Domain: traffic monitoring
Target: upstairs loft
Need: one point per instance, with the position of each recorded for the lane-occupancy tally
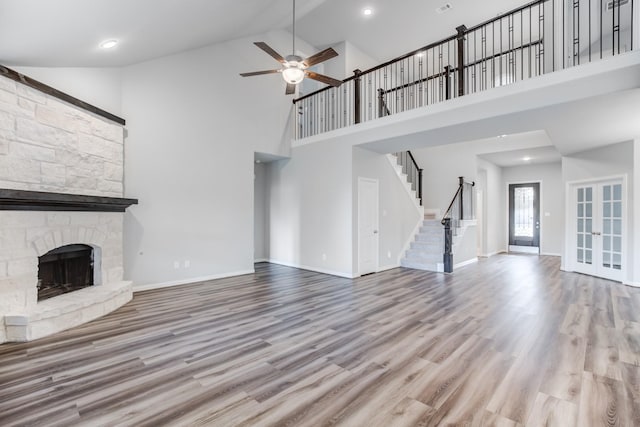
(534, 40)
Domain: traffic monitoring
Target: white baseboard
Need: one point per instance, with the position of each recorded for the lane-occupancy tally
(489, 255)
(189, 281)
(632, 284)
(550, 254)
(317, 270)
(388, 267)
(532, 250)
(467, 262)
(260, 260)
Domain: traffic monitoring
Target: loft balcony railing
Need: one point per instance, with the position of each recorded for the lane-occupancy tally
(535, 39)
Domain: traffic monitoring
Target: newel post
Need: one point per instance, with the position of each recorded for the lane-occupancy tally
(462, 29)
(447, 258)
(356, 96)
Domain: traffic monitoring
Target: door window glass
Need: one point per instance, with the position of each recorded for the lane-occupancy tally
(584, 225)
(523, 211)
(612, 226)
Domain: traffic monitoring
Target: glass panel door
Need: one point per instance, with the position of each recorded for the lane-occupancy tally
(598, 233)
(612, 226)
(584, 227)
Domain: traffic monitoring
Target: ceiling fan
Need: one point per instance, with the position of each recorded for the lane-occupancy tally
(294, 68)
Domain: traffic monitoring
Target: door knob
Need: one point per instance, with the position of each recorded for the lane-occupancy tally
(596, 233)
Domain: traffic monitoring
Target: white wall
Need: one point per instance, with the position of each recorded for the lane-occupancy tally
(310, 209)
(605, 162)
(494, 200)
(101, 87)
(260, 229)
(193, 126)
(552, 201)
(398, 215)
(349, 58)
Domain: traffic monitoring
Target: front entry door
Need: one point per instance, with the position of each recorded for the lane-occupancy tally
(367, 225)
(598, 230)
(524, 216)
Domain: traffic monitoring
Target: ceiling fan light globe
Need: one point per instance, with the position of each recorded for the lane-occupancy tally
(293, 75)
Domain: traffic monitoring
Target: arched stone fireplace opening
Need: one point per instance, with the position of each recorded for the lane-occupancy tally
(67, 269)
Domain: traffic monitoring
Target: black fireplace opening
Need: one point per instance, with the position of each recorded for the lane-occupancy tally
(64, 269)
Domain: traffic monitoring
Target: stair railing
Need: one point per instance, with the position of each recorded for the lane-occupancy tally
(461, 208)
(412, 170)
(537, 38)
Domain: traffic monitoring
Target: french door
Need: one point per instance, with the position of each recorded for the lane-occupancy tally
(599, 226)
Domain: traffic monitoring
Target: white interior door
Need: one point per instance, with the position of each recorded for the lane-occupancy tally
(599, 245)
(367, 226)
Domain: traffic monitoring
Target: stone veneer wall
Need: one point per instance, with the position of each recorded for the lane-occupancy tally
(48, 145)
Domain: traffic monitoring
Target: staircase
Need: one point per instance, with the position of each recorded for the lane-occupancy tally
(425, 252)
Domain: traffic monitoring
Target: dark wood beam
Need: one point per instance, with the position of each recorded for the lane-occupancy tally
(21, 200)
(28, 81)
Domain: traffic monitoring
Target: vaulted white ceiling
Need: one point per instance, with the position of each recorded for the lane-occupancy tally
(68, 32)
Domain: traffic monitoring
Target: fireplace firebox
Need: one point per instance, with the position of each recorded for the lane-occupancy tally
(65, 269)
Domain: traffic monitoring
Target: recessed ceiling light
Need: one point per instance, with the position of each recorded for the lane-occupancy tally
(367, 11)
(526, 158)
(109, 44)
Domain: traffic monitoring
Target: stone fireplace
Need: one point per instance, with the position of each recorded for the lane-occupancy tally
(61, 210)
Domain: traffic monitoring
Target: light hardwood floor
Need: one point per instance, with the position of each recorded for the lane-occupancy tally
(510, 341)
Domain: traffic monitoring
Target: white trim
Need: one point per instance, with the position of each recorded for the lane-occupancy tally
(533, 250)
(632, 284)
(549, 254)
(260, 260)
(315, 269)
(490, 254)
(377, 222)
(388, 267)
(189, 281)
(467, 262)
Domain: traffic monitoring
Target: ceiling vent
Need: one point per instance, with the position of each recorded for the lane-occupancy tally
(618, 3)
(447, 7)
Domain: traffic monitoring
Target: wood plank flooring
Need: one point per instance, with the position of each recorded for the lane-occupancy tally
(510, 341)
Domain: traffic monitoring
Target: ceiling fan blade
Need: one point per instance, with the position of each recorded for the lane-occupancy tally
(320, 57)
(291, 89)
(257, 73)
(273, 53)
(324, 79)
